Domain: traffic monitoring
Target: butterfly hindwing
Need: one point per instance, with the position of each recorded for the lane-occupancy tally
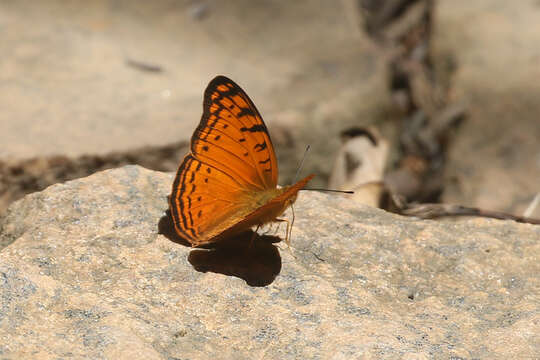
(202, 199)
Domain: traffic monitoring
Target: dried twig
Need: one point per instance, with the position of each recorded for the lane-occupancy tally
(433, 211)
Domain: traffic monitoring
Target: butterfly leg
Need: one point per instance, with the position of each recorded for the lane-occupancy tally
(287, 231)
(269, 231)
(253, 236)
(288, 234)
(289, 228)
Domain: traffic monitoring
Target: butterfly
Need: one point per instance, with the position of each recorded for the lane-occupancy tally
(227, 184)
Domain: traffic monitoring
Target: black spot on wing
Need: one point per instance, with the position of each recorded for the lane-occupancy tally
(260, 147)
(246, 112)
(231, 90)
(254, 128)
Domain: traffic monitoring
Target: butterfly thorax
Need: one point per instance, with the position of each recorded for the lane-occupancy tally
(270, 204)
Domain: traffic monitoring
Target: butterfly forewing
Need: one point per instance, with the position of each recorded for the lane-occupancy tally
(233, 137)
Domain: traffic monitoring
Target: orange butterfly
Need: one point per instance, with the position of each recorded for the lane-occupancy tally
(228, 183)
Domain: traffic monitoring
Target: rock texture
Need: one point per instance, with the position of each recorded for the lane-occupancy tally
(84, 273)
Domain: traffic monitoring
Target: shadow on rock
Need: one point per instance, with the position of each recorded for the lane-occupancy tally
(258, 263)
(249, 256)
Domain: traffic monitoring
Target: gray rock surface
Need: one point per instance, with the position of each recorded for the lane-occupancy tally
(85, 274)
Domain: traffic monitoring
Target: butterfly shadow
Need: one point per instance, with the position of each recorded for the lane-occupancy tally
(248, 256)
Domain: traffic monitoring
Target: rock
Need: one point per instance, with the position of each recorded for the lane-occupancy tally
(101, 77)
(85, 274)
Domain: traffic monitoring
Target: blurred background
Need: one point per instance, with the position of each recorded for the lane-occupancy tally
(435, 101)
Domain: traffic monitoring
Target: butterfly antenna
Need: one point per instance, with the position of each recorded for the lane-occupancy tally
(301, 164)
(317, 189)
(330, 190)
